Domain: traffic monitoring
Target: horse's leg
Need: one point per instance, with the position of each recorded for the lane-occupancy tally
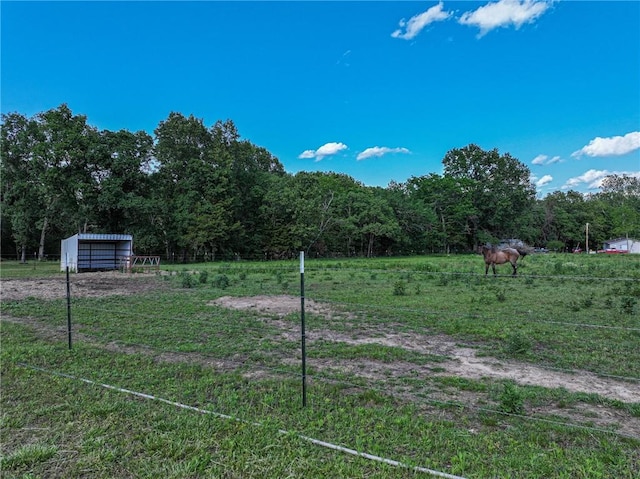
(493, 266)
(514, 265)
(486, 270)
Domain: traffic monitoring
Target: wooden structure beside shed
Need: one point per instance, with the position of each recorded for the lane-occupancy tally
(95, 252)
(131, 264)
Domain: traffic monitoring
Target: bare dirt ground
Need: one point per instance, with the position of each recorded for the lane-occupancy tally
(89, 285)
(461, 361)
(464, 362)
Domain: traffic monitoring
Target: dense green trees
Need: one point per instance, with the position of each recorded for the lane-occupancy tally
(499, 190)
(192, 191)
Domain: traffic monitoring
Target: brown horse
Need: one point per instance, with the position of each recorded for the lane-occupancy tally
(494, 256)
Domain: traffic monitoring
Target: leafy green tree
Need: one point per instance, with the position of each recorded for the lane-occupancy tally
(194, 190)
(565, 218)
(416, 221)
(251, 166)
(192, 186)
(378, 223)
(450, 199)
(57, 174)
(125, 189)
(276, 217)
(68, 153)
(22, 195)
(620, 198)
(500, 189)
(313, 209)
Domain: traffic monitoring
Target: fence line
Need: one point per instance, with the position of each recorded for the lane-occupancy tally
(416, 311)
(317, 442)
(321, 377)
(547, 367)
(293, 376)
(395, 309)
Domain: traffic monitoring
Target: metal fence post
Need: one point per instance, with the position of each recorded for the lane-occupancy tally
(304, 352)
(68, 307)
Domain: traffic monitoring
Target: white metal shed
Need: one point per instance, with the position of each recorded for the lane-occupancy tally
(88, 251)
(629, 245)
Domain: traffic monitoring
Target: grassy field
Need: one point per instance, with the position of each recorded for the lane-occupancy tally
(169, 383)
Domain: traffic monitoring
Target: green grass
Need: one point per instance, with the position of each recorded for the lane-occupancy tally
(374, 397)
(30, 269)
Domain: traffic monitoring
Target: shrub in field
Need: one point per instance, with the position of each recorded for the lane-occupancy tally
(187, 280)
(427, 267)
(204, 275)
(627, 303)
(511, 400)
(399, 288)
(574, 306)
(633, 289)
(518, 344)
(501, 295)
(221, 281)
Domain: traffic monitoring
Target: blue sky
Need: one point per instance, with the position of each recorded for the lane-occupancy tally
(380, 91)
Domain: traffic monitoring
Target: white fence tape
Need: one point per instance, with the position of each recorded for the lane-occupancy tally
(224, 416)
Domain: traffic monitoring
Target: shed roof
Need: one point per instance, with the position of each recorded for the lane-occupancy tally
(615, 240)
(102, 237)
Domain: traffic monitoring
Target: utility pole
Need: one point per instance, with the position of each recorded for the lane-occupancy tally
(587, 238)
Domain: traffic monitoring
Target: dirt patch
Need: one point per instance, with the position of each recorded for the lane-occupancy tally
(460, 361)
(277, 305)
(463, 361)
(94, 285)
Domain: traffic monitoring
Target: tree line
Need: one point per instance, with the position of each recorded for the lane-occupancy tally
(192, 192)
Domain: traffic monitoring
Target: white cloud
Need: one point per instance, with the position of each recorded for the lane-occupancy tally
(379, 151)
(418, 22)
(307, 154)
(344, 59)
(325, 150)
(539, 160)
(613, 146)
(593, 178)
(544, 180)
(504, 13)
(545, 160)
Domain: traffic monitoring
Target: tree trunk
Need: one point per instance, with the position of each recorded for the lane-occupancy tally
(23, 254)
(444, 234)
(43, 233)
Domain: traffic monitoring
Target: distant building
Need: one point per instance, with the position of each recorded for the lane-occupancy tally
(95, 252)
(512, 243)
(621, 245)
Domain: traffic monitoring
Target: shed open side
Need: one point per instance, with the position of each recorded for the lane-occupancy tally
(95, 252)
